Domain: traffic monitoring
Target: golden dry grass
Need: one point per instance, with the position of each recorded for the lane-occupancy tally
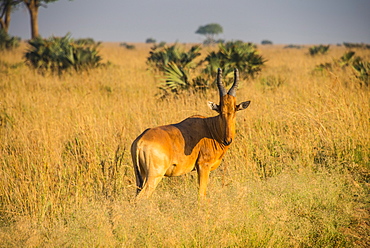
(297, 174)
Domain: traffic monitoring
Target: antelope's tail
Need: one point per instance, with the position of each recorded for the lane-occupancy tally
(135, 162)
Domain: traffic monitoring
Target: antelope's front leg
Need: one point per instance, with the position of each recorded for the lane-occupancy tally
(203, 177)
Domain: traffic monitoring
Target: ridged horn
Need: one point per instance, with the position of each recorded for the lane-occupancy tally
(232, 91)
(220, 86)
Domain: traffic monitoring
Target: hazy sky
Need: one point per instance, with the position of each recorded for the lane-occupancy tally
(280, 21)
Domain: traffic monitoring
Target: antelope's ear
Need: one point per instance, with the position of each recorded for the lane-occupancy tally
(214, 106)
(242, 105)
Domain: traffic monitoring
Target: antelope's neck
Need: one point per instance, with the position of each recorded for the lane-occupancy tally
(215, 130)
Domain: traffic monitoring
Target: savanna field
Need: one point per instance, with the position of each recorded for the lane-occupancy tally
(296, 175)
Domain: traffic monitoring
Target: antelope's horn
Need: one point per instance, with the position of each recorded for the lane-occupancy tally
(232, 91)
(220, 86)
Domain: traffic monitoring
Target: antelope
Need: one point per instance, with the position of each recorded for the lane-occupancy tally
(196, 143)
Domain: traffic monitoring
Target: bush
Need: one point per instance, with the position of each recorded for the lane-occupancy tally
(175, 79)
(176, 66)
(321, 49)
(362, 70)
(234, 54)
(8, 42)
(266, 42)
(150, 40)
(293, 46)
(127, 46)
(210, 41)
(348, 58)
(161, 56)
(356, 45)
(58, 54)
(86, 41)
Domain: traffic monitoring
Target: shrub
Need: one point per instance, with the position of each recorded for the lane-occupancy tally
(293, 46)
(210, 41)
(362, 70)
(266, 42)
(177, 80)
(58, 54)
(174, 65)
(161, 56)
(177, 66)
(127, 46)
(235, 54)
(321, 49)
(86, 41)
(150, 40)
(348, 58)
(8, 42)
(360, 67)
(356, 45)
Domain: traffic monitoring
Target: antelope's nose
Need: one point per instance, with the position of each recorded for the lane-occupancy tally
(227, 142)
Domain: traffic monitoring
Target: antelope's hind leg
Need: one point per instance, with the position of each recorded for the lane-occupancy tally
(153, 163)
(150, 184)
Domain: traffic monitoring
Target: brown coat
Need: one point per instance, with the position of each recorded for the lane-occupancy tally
(196, 143)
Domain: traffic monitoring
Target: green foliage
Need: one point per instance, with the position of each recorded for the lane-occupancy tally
(266, 42)
(177, 80)
(86, 41)
(150, 40)
(58, 54)
(293, 46)
(356, 45)
(211, 41)
(156, 46)
(127, 46)
(8, 42)
(161, 56)
(345, 60)
(348, 58)
(210, 29)
(321, 49)
(160, 44)
(175, 66)
(234, 54)
(362, 70)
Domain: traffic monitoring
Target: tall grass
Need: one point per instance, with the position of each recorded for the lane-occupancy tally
(297, 174)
